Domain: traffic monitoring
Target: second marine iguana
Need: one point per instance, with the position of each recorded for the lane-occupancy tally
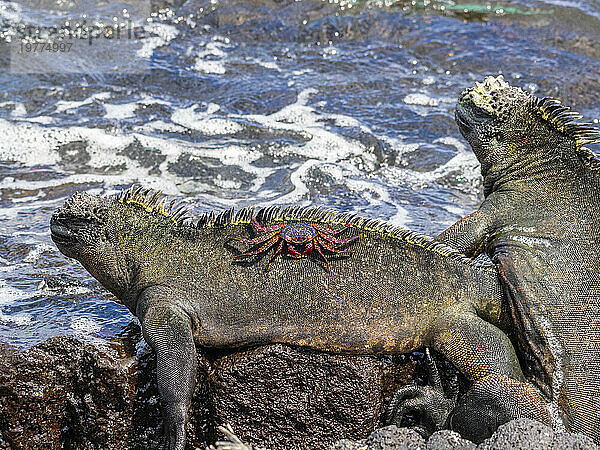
(397, 292)
(540, 224)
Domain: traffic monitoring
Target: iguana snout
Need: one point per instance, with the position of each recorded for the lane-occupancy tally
(82, 229)
(79, 222)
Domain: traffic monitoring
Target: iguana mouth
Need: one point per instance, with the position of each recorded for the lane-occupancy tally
(61, 234)
(461, 120)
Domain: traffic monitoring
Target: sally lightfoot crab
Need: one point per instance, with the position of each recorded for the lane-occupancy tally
(298, 239)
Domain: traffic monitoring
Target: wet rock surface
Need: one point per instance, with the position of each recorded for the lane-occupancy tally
(307, 397)
(526, 433)
(66, 394)
(517, 434)
(63, 393)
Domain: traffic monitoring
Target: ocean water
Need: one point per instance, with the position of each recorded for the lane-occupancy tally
(230, 103)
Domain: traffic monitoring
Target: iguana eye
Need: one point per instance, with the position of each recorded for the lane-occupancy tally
(499, 136)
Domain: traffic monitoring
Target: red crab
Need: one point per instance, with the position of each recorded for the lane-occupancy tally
(295, 236)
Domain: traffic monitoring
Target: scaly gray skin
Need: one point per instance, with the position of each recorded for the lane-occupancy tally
(396, 293)
(540, 224)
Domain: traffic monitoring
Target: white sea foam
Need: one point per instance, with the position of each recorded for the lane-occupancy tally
(345, 121)
(216, 67)
(422, 102)
(28, 144)
(463, 165)
(203, 122)
(374, 191)
(211, 56)
(420, 99)
(35, 253)
(65, 290)
(85, 325)
(398, 146)
(297, 180)
(266, 64)
(456, 210)
(213, 48)
(323, 144)
(41, 143)
(159, 125)
(70, 106)
(10, 11)
(10, 295)
(164, 34)
(44, 120)
(464, 162)
(450, 140)
(323, 147)
(428, 80)
(120, 111)
(147, 99)
(20, 320)
(320, 146)
(19, 111)
(31, 145)
(226, 184)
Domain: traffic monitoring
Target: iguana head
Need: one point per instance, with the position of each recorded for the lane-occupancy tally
(508, 127)
(124, 241)
(81, 230)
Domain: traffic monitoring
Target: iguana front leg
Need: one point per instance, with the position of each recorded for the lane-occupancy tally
(168, 330)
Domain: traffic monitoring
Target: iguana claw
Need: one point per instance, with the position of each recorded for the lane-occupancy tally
(429, 404)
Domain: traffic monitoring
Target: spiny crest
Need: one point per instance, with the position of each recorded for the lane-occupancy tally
(322, 215)
(563, 119)
(154, 201)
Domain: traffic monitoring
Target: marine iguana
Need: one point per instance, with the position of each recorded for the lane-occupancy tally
(540, 224)
(398, 291)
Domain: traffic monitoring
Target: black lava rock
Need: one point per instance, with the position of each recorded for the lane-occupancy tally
(66, 394)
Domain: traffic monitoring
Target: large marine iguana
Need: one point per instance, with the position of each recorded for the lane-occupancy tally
(540, 224)
(397, 292)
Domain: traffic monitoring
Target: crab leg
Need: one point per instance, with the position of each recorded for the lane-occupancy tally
(330, 248)
(256, 240)
(293, 251)
(258, 227)
(309, 248)
(326, 230)
(270, 243)
(277, 252)
(334, 240)
(318, 247)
